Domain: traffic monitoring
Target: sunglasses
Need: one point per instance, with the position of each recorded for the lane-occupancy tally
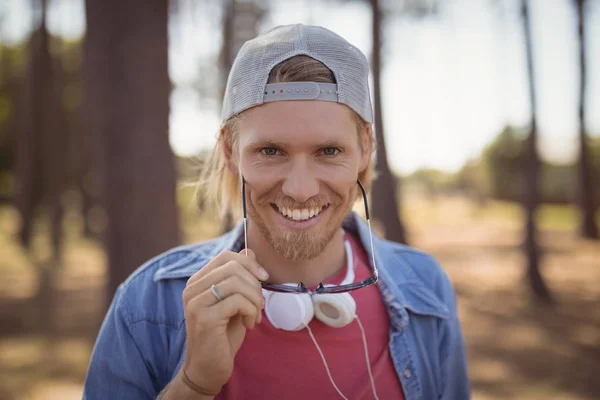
(320, 289)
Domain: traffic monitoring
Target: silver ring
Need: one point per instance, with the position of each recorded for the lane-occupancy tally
(214, 291)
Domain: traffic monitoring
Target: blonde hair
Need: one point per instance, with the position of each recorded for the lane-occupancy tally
(217, 186)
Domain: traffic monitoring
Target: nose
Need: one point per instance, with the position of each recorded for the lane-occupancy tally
(299, 183)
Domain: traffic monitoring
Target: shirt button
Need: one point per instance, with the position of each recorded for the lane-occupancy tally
(407, 373)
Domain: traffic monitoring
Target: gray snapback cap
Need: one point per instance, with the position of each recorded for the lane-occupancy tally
(247, 82)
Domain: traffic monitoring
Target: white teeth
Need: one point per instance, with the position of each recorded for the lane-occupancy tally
(301, 215)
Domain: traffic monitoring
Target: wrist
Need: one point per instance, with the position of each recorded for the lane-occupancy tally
(180, 390)
(196, 388)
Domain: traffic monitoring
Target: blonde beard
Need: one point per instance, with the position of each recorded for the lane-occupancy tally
(298, 246)
(304, 245)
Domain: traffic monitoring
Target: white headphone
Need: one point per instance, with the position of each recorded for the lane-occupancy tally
(294, 311)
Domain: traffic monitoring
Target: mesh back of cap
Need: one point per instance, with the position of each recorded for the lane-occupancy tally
(257, 57)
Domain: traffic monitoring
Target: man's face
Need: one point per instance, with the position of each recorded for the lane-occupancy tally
(300, 160)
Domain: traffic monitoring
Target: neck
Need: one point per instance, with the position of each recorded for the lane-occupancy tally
(310, 272)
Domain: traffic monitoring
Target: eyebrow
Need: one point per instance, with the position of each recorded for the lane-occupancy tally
(266, 143)
(274, 143)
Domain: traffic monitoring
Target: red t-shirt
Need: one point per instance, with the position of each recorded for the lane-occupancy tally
(278, 364)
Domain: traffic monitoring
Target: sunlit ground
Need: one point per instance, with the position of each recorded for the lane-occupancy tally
(516, 349)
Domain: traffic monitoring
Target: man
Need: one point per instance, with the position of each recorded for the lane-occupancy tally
(300, 299)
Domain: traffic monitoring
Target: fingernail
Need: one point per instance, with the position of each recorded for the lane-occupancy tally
(263, 274)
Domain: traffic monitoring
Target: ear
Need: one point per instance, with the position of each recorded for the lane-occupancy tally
(230, 159)
(366, 137)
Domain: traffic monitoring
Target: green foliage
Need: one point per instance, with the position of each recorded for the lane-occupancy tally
(594, 146)
(13, 72)
(431, 180)
(499, 173)
(12, 60)
(474, 179)
(504, 163)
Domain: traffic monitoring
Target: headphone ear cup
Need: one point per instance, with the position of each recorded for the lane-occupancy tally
(335, 310)
(289, 311)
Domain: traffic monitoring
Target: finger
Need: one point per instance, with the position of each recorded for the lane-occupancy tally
(237, 304)
(248, 260)
(221, 258)
(248, 252)
(207, 318)
(225, 256)
(235, 284)
(198, 312)
(232, 286)
(249, 322)
(217, 276)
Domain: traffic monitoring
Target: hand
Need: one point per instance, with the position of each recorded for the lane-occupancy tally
(216, 329)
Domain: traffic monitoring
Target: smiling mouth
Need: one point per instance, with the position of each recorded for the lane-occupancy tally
(300, 214)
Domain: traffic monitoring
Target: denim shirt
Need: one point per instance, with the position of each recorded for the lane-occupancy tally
(141, 344)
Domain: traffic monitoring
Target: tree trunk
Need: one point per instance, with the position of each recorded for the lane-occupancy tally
(44, 105)
(587, 201)
(28, 159)
(55, 149)
(531, 190)
(97, 93)
(386, 210)
(241, 20)
(139, 170)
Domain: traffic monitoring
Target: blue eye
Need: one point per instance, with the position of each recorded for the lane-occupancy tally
(269, 151)
(331, 151)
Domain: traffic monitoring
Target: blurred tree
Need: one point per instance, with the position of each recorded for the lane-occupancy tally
(386, 208)
(473, 180)
(28, 163)
(505, 162)
(594, 144)
(386, 188)
(532, 168)
(40, 165)
(69, 78)
(241, 20)
(55, 149)
(129, 102)
(96, 94)
(432, 182)
(40, 161)
(587, 201)
(12, 63)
